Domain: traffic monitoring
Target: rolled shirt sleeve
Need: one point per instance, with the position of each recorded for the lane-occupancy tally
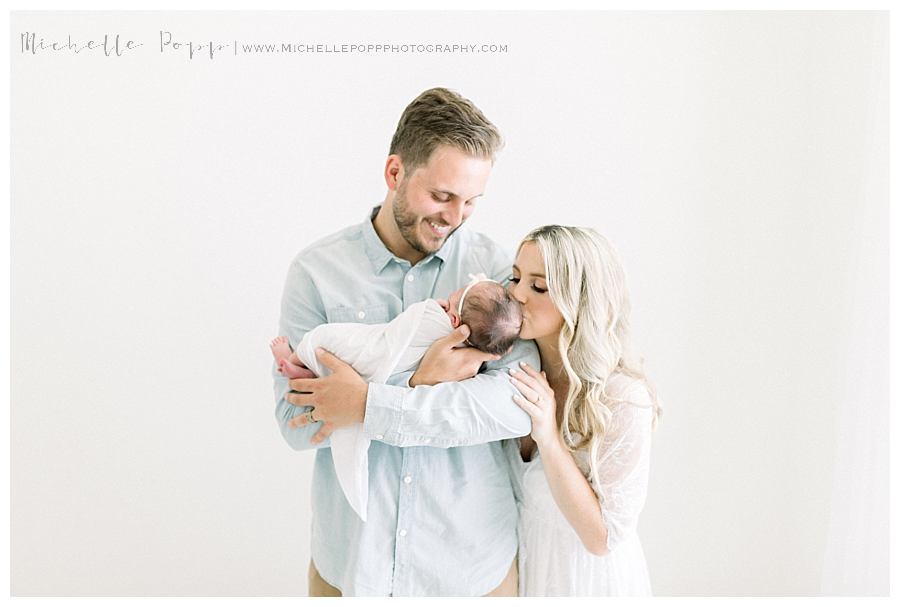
(452, 414)
(301, 311)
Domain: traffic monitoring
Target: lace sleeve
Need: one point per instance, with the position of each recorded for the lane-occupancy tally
(623, 465)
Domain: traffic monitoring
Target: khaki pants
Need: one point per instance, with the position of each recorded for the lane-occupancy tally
(508, 587)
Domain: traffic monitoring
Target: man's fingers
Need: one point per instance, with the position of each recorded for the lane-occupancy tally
(299, 400)
(483, 357)
(329, 360)
(323, 433)
(456, 337)
(300, 420)
(303, 384)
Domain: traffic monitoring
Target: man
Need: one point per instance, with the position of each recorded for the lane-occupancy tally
(441, 512)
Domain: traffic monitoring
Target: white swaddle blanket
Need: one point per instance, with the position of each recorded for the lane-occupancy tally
(375, 352)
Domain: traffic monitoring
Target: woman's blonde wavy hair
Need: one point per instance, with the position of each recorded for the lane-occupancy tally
(586, 282)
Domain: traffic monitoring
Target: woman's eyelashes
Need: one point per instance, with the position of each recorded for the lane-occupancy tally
(534, 287)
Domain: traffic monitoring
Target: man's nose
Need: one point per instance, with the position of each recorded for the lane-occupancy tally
(453, 213)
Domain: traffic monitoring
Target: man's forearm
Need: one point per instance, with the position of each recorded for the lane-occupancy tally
(451, 414)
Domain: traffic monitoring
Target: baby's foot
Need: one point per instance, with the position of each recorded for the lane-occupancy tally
(280, 347)
(289, 369)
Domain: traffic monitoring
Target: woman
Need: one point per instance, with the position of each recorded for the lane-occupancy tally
(582, 473)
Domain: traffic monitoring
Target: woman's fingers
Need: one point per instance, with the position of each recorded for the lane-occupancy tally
(534, 378)
(525, 379)
(538, 387)
(527, 391)
(526, 405)
(531, 370)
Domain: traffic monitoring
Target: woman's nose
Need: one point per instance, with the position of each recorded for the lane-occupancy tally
(514, 291)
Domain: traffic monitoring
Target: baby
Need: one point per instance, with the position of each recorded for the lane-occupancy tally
(493, 317)
(378, 351)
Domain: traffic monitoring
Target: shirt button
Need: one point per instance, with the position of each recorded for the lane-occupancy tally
(360, 315)
(407, 479)
(379, 436)
(410, 278)
(403, 533)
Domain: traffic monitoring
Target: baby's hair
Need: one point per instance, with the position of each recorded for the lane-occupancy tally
(494, 318)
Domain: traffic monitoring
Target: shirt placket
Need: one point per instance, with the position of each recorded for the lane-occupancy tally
(406, 531)
(418, 282)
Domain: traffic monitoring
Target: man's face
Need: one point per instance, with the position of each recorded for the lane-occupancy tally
(433, 201)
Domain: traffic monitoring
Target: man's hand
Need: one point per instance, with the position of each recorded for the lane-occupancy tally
(338, 399)
(448, 360)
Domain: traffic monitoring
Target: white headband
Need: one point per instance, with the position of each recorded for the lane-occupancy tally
(474, 279)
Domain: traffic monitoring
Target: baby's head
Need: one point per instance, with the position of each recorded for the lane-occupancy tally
(494, 318)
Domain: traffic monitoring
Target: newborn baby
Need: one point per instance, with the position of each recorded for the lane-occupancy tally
(493, 318)
(378, 351)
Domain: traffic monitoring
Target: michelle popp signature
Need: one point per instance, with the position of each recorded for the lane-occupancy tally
(115, 45)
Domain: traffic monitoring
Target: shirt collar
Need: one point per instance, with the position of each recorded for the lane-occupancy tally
(379, 254)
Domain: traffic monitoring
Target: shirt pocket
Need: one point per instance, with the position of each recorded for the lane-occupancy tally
(369, 315)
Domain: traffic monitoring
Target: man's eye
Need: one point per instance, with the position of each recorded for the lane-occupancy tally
(441, 197)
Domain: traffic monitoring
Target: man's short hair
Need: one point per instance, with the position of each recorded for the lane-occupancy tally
(438, 117)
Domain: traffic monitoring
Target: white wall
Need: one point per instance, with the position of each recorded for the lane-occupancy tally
(738, 160)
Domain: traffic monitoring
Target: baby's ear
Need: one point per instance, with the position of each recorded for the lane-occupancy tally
(454, 320)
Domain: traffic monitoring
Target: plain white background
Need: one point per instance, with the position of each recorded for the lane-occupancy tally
(738, 161)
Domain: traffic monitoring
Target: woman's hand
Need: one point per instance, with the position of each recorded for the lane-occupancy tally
(538, 401)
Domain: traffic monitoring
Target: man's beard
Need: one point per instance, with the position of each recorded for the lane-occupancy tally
(408, 224)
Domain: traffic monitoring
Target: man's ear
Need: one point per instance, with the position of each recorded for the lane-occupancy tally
(393, 172)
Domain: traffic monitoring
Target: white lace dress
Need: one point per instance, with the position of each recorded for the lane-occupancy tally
(552, 559)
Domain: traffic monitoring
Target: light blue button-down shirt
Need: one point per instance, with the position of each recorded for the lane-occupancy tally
(441, 514)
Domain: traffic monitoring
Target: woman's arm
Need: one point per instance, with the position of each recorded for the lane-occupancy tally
(571, 491)
(606, 513)
(574, 496)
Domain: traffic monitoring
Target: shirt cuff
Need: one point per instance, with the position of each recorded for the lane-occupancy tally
(384, 411)
(402, 379)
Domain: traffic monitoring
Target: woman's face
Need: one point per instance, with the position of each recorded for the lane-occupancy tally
(528, 286)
